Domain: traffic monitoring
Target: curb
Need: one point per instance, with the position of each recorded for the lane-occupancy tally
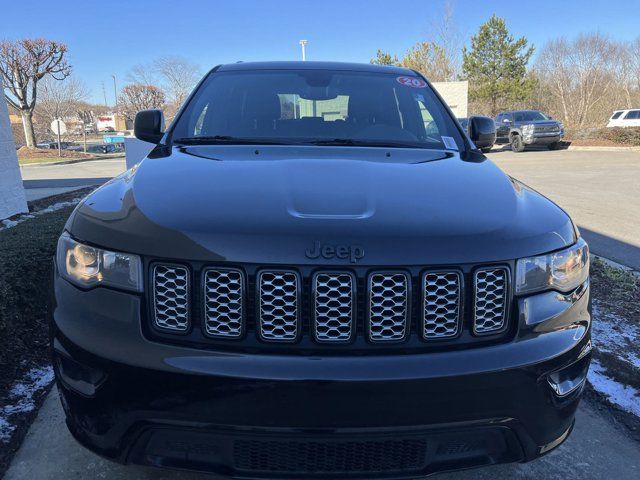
(602, 148)
(75, 160)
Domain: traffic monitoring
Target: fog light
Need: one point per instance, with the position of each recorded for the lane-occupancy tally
(570, 378)
(79, 377)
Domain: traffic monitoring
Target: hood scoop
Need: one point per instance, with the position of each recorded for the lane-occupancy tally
(327, 189)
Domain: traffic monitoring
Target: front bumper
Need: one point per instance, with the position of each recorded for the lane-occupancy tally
(542, 138)
(248, 415)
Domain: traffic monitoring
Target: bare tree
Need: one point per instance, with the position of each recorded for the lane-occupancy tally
(174, 74)
(447, 36)
(23, 64)
(136, 97)
(60, 99)
(179, 77)
(582, 75)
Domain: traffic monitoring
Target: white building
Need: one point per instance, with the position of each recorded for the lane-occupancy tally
(12, 197)
(456, 94)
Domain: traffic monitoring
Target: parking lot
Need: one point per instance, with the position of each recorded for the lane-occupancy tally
(599, 189)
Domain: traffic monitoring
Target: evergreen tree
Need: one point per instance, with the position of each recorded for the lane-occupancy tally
(496, 65)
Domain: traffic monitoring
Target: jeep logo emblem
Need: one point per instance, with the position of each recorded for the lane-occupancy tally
(327, 251)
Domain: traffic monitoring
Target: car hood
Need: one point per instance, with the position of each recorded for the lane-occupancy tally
(270, 205)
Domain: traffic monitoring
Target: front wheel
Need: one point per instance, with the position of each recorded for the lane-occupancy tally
(554, 146)
(517, 145)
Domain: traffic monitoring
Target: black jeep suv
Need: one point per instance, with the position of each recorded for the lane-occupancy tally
(528, 127)
(314, 274)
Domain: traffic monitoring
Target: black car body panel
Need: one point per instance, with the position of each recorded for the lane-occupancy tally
(291, 196)
(250, 408)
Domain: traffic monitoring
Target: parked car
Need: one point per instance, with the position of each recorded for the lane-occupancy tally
(487, 138)
(625, 118)
(102, 148)
(528, 127)
(335, 294)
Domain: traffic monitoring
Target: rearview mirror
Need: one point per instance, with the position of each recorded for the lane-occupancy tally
(482, 131)
(149, 126)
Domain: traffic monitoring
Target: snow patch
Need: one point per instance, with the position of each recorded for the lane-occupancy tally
(21, 396)
(624, 396)
(614, 334)
(51, 208)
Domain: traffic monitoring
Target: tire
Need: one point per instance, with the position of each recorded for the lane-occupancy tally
(554, 146)
(517, 145)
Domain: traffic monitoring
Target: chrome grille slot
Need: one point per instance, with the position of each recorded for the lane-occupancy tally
(388, 306)
(334, 298)
(171, 297)
(278, 305)
(490, 303)
(441, 303)
(223, 293)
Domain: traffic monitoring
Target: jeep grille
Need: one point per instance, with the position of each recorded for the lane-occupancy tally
(171, 297)
(223, 302)
(442, 297)
(388, 306)
(278, 305)
(491, 295)
(333, 307)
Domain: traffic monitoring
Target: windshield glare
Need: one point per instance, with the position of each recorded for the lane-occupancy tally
(529, 116)
(307, 106)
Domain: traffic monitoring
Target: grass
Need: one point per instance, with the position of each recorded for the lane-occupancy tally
(26, 252)
(616, 289)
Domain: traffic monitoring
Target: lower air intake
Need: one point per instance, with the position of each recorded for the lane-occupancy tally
(330, 456)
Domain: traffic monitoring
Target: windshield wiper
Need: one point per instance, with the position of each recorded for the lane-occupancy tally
(229, 140)
(350, 142)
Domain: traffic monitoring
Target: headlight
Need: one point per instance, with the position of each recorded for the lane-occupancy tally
(528, 129)
(563, 271)
(87, 266)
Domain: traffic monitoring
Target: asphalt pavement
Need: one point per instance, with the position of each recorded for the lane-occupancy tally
(42, 181)
(599, 189)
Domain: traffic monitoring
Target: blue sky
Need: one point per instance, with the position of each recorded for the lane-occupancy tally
(110, 37)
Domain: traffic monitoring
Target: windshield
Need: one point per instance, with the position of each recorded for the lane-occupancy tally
(317, 107)
(529, 116)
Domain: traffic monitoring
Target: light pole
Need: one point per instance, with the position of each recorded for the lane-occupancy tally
(302, 44)
(115, 92)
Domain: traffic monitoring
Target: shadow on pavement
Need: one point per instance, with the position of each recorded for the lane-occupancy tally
(612, 248)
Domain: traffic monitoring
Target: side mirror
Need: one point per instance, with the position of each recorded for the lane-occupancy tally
(506, 120)
(149, 126)
(482, 131)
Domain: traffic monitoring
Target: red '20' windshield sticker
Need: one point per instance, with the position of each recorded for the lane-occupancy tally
(414, 82)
